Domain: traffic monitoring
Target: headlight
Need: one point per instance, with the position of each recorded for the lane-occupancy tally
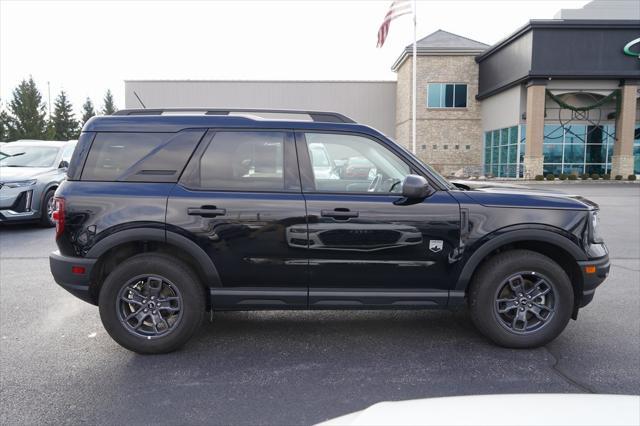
(20, 183)
(594, 226)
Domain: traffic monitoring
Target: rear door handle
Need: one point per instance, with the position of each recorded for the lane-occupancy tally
(206, 211)
(340, 213)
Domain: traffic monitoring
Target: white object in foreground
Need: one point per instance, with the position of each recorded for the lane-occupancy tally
(520, 409)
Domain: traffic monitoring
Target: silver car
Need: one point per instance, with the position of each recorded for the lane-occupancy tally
(30, 172)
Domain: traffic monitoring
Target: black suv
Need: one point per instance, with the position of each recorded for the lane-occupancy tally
(167, 214)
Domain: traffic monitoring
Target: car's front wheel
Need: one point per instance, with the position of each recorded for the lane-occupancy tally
(521, 299)
(151, 303)
(47, 207)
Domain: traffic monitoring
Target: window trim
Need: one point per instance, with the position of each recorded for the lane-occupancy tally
(466, 99)
(188, 177)
(306, 169)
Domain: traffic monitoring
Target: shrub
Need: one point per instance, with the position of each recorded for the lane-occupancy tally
(606, 176)
(584, 176)
(563, 176)
(540, 177)
(618, 177)
(573, 176)
(595, 176)
(550, 177)
(631, 177)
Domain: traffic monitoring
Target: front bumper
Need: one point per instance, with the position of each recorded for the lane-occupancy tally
(591, 280)
(18, 205)
(75, 283)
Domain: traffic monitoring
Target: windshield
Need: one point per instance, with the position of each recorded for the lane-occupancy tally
(28, 156)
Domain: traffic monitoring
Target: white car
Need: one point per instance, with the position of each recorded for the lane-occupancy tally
(521, 409)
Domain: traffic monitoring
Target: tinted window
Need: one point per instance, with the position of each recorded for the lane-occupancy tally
(112, 154)
(446, 95)
(249, 161)
(354, 164)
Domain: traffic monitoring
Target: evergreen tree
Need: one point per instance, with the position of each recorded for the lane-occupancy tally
(109, 106)
(87, 111)
(28, 112)
(64, 123)
(5, 126)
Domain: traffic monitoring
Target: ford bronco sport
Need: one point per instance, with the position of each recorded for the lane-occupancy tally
(167, 215)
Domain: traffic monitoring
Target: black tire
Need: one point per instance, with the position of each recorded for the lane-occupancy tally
(46, 221)
(175, 277)
(492, 299)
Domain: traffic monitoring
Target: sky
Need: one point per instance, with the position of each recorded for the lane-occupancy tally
(87, 47)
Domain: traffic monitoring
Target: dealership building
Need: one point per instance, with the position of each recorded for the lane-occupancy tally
(556, 96)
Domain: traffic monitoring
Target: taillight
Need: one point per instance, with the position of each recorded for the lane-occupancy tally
(58, 215)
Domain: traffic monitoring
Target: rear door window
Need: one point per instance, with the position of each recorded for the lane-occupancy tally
(243, 161)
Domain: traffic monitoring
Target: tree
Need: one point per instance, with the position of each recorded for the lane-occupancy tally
(65, 125)
(109, 106)
(87, 111)
(28, 112)
(5, 126)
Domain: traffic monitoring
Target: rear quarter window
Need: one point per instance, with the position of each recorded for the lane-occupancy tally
(140, 157)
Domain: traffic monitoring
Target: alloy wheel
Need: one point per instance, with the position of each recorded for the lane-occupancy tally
(525, 302)
(149, 306)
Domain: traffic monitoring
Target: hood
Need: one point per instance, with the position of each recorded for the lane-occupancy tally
(514, 195)
(10, 174)
(567, 409)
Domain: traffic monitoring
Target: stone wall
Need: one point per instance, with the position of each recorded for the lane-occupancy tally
(448, 139)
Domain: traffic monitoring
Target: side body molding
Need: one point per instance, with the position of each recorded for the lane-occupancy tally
(481, 253)
(150, 234)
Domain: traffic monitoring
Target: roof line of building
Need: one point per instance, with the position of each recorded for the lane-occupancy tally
(253, 81)
(556, 23)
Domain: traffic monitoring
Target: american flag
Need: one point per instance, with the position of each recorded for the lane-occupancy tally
(397, 9)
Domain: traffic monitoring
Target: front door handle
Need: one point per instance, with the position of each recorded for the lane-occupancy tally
(339, 214)
(206, 211)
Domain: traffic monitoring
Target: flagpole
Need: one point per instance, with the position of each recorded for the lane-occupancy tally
(413, 97)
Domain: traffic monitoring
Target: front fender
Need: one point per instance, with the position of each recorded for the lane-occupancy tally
(497, 239)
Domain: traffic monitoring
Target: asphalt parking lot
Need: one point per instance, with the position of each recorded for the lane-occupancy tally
(58, 365)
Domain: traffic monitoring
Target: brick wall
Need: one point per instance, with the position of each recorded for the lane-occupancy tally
(450, 140)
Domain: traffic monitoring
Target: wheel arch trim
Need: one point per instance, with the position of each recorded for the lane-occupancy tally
(201, 258)
(514, 236)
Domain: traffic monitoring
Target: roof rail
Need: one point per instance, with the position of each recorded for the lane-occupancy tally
(320, 116)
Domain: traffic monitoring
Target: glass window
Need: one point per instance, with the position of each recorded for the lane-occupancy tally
(553, 134)
(446, 95)
(460, 100)
(574, 134)
(249, 161)
(596, 153)
(513, 135)
(355, 164)
(20, 155)
(513, 151)
(433, 95)
(573, 153)
(504, 136)
(112, 154)
(67, 152)
(573, 168)
(552, 153)
(496, 138)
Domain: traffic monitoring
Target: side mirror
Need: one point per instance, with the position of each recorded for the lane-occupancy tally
(416, 187)
(63, 164)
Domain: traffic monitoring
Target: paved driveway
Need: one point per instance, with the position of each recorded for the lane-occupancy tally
(58, 365)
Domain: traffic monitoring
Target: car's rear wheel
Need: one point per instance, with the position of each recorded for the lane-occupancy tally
(151, 303)
(47, 207)
(521, 299)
